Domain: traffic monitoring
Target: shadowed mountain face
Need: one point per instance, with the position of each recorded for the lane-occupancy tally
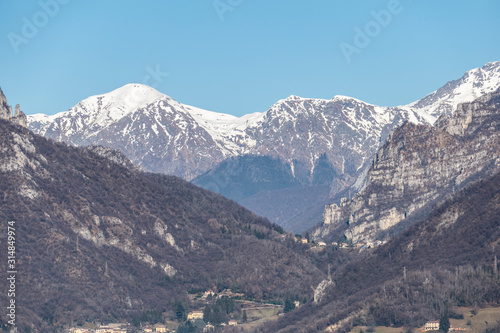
(98, 238)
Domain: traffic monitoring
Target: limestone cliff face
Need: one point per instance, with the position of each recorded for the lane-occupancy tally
(6, 112)
(417, 167)
(19, 117)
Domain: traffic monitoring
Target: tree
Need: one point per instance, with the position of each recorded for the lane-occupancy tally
(188, 327)
(444, 324)
(180, 311)
(289, 305)
(207, 314)
(244, 318)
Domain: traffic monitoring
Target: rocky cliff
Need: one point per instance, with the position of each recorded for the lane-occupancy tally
(6, 112)
(448, 259)
(416, 168)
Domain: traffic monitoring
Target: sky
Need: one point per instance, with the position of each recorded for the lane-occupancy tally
(240, 56)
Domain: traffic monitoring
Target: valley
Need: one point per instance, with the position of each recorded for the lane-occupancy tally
(382, 219)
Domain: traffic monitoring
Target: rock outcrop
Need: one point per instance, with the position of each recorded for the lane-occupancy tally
(416, 168)
(6, 112)
(5, 109)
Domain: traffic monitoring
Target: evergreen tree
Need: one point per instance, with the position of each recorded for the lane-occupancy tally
(244, 318)
(444, 324)
(180, 311)
(289, 305)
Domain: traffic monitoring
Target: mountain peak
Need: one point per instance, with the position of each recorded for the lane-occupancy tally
(293, 98)
(118, 103)
(473, 84)
(136, 92)
(342, 98)
(491, 65)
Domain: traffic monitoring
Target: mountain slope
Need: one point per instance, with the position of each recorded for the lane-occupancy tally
(417, 167)
(472, 85)
(443, 261)
(162, 135)
(243, 176)
(98, 239)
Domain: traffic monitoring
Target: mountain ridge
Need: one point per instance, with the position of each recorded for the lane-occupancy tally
(99, 239)
(445, 260)
(173, 138)
(247, 134)
(417, 167)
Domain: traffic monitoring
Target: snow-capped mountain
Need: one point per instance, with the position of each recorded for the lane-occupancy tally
(473, 84)
(163, 135)
(153, 130)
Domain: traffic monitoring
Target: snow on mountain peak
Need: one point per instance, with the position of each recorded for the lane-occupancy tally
(492, 66)
(119, 102)
(473, 84)
(293, 98)
(343, 99)
(139, 114)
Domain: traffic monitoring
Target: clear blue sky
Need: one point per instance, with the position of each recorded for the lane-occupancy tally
(259, 52)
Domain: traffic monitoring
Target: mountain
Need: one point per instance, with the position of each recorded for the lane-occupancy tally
(295, 208)
(6, 112)
(418, 167)
(154, 131)
(162, 135)
(473, 84)
(242, 176)
(97, 239)
(266, 186)
(448, 259)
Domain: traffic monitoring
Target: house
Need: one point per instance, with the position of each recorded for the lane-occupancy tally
(229, 293)
(432, 325)
(296, 303)
(195, 315)
(208, 328)
(321, 244)
(148, 328)
(207, 293)
(232, 323)
(112, 328)
(303, 240)
(160, 328)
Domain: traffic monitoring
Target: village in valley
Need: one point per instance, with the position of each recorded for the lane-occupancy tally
(340, 245)
(237, 312)
(469, 319)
